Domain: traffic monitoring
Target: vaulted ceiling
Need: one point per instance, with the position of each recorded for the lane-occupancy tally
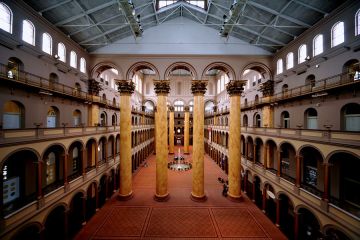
(269, 24)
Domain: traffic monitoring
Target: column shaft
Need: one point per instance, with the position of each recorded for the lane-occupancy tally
(186, 132)
(125, 188)
(161, 149)
(234, 148)
(198, 148)
(171, 132)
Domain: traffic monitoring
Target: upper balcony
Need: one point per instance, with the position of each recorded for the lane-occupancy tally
(45, 86)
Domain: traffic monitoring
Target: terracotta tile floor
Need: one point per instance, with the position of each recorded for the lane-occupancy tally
(180, 217)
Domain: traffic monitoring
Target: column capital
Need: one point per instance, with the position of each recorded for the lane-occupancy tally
(171, 109)
(198, 86)
(186, 109)
(125, 86)
(235, 87)
(162, 87)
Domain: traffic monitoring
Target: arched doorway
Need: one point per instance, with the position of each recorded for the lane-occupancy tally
(350, 117)
(309, 226)
(29, 232)
(52, 119)
(286, 215)
(14, 67)
(19, 184)
(257, 192)
(287, 162)
(102, 191)
(91, 200)
(55, 227)
(76, 214)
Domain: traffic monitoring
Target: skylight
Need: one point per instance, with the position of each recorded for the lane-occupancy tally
(164, 3)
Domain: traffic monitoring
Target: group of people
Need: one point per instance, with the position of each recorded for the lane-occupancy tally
(225, 186)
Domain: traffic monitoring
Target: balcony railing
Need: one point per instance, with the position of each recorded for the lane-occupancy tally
(31, 134)
(49, 87)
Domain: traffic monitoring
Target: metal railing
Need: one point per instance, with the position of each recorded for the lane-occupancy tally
(50, 87)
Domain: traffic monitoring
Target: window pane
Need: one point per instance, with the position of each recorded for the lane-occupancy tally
(290, 60)
(302, 53)
(82, 65)
(47, 43)
(62, 52)
(28, 34)
(279, 68)
(357, 23)
(338, 34)
(73, 60)
(318, 44)
(5, 18)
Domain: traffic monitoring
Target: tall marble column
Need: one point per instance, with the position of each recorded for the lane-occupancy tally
(234, 89)
(171, 130)
(125, 88)
(162, 88)
(198, 88)
(186, 130)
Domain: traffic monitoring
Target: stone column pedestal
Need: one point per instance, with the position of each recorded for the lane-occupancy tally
(198, 88)
(234, 89)
(162, 88)
(126, 88)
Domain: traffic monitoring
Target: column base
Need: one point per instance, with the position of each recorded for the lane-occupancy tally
(198, 198)
(125, 197)
(234, 198)
(162, 198)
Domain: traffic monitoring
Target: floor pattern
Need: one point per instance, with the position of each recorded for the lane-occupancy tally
(179, 218)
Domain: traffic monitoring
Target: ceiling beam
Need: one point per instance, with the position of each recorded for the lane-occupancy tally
(310, 7)
(92, 10)
(155, 12)
(207, 12)
(93, 25)
(54, 6)
(90, 18)
(192, 14)
(272, 11)
(277, 28)
(128, 8)
(125, 25)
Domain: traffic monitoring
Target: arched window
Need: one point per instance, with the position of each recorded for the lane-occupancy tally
(357, 23)
(302, 53)
(279, 66)
(310, 80)
(285, 119)
(73, 59)
(103, 119)
(337, 34)
(256, 99)
(179, 106)
(75, 159)
(290, 60)
(245, 121)
(47, 43)
(6, 18)
(13, 115)
(257, 120)
(191, 106)
(52, 117)
(61, 52)
(114, 120)
(318, 44)
(50, 168)
(311, 118)
(28, 32)
(350, 117)
(77, 118)
(82, 65)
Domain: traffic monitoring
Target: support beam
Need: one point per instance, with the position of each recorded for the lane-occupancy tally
(54, 6)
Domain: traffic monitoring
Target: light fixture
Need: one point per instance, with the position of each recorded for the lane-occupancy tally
(56, 57)
(307, 58)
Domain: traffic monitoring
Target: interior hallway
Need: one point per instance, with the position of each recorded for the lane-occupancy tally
(179, 218)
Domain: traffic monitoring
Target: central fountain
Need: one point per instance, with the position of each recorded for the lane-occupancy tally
(179, 164)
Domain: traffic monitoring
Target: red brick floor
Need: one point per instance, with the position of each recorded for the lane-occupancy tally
(179, 218)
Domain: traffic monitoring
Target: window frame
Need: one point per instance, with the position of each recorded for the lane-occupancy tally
(73, 59)
(47, 36)
(315, 44)
(335, 36)
(24, 37)
(8, 17)
(62, 56)
(302, 58)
